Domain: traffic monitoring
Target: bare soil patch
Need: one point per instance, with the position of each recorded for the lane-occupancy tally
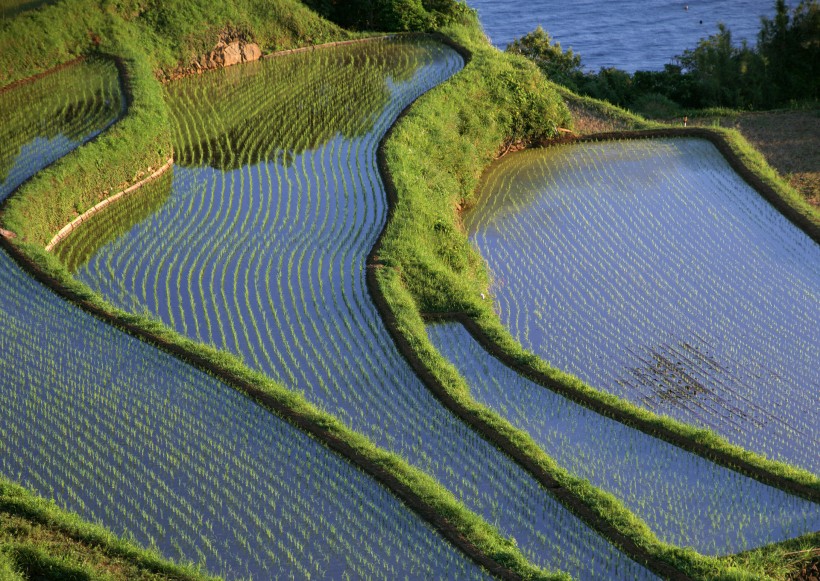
(790, 142)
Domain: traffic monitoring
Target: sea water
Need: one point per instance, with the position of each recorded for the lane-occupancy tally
(627, 34)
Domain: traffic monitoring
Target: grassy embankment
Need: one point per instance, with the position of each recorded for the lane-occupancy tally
(121, 156)
(788, 139)
(519, 114)
(426, 265)
(40, 541)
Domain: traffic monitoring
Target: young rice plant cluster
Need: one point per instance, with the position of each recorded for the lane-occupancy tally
(650, 270)
(261, 247)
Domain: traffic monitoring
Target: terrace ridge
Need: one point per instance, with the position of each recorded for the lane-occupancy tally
(763, 470)
(599, 405)
(566, 497)
(320, 425)
(66, 230)
(810, 227)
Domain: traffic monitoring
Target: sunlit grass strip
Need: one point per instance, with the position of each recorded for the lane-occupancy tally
(781, 560)
(71, 226)
(486, 327)
(598, 272)
(15, 500)
(317, 330)
(684, 499)
(410, 279)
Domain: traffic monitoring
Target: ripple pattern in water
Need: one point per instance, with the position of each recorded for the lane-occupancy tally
(261, 251)
(651, 270)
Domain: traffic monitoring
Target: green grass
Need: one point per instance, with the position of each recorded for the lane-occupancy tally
(435, 156)
(114, 221)
(41, 541)
(779, 561)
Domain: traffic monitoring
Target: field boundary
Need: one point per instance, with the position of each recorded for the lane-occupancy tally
(598, 405)
(21, 502)
(733, 457)
(66, 230)
(811, 227)
(321, 425)
(565, 496)
(468, 533)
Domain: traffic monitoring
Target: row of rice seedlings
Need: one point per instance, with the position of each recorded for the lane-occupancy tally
(267, 259)
(649, 269)
(114, 221)
(130, 437)
(43, 120)
(330, 91)
(685, 499)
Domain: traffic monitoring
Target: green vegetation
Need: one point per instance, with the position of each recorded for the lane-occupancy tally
(304, 317)
(780, 70)
(436, 157)
(414, 487)
(428, 266)
(114, 221)
(391, 15)
(41, 541)
(786, 560)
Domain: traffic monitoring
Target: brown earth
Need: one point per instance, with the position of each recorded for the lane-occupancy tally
(790, 142)
(229, 50)
(810, 571)
(588, 120)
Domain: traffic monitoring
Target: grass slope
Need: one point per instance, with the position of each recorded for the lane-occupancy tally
(38, 540)
(425, 264)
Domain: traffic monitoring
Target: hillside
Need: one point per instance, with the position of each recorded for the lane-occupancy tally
(311, 227)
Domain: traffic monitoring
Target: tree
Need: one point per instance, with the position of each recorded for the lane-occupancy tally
(790, 49)
(559, 66)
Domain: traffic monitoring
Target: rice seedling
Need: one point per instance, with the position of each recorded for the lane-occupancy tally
(44, 120)
(685, 499)
(650, 270)
(260, 251)
(132, 438)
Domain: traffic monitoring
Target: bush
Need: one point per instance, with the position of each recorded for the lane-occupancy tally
(656, 106)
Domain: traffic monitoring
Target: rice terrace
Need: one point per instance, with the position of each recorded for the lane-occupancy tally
(340, 290)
